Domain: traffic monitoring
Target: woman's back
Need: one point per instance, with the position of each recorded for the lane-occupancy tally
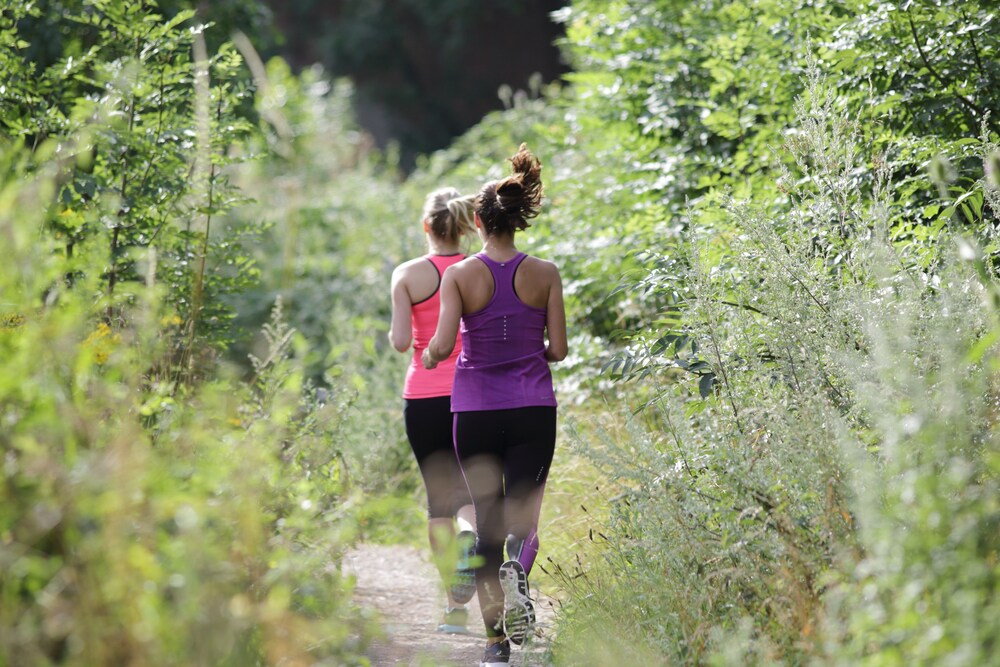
(421, 281)
(533, 281)
(504, 304)
(503, 363)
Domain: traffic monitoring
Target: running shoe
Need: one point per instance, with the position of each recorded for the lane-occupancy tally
(455, 621)
(518, 612)
(463, 583)
(496, 655)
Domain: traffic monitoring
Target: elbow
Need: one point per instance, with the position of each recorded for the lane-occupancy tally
(555, 353)
(399, 343)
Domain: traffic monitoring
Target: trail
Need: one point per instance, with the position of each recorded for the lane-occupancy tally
(401, 585)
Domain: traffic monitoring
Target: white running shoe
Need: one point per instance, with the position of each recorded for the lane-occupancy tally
(518, 612)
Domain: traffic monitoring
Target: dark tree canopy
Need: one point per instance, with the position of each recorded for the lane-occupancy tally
(425, 71)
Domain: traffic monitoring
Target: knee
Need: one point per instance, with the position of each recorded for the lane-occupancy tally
(438, 509)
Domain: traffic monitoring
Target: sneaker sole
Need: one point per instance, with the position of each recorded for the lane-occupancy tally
(518, 612)
(463, 586)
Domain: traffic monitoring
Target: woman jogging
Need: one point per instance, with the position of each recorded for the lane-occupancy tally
(507, 304)
(427, 397)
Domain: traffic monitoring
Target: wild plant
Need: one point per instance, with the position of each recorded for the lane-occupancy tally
(740, 501)
(141, 523)
(156, 510)
(146, 122)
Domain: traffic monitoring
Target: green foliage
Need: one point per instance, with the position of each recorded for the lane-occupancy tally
(918, 588)
(843, 446)
(157, 509)
(144, 523)
(148, 129)
(53, 38)
(674, 104)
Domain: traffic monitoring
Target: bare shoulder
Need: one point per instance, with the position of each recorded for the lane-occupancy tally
(408, 266)
(417, 268)
(468, 266)
(541, 268)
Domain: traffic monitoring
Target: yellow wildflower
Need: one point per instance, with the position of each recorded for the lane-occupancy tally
(102, 341)
(11, 320)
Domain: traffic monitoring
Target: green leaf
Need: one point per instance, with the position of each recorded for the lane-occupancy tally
(705, 385)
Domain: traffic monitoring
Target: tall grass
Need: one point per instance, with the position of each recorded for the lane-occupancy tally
(827, 492)
(147, 520)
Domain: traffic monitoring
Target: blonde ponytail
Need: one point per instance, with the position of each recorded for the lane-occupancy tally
(463, 211)
(449, 214)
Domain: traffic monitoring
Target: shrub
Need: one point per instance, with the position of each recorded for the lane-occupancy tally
(760, 517)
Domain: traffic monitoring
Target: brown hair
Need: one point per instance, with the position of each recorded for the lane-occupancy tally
(505, 206)
(448, 213)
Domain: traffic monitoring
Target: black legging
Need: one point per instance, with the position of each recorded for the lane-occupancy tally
(428, 424)
(505, 455)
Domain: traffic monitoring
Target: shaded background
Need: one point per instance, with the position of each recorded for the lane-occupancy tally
(424, 71)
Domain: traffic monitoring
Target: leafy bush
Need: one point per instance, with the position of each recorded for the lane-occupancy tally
(143, 522)
(917, 587)
(333, 223)
(154, 120)
(157, 508)
(760, 505)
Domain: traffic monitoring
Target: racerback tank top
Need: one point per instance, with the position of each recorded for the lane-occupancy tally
(502, 364)
(420, 382)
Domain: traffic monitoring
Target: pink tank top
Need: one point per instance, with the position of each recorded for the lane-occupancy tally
(420, 382)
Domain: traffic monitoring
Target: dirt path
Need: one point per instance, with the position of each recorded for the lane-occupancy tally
(401, 585)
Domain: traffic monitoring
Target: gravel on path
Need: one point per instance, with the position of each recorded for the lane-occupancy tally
(400, 584)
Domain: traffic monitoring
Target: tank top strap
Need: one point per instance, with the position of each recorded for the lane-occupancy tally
(442, 262)
(503, 273)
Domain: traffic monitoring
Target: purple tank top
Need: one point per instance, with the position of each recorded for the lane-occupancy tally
(502, 364)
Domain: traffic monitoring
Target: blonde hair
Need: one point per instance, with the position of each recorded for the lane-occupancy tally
(449, 214)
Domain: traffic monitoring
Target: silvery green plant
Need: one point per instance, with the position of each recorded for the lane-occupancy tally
(760, 518)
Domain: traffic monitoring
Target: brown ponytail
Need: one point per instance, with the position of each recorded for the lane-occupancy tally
(505, 206)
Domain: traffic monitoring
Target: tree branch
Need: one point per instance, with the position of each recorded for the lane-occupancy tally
(972, 106)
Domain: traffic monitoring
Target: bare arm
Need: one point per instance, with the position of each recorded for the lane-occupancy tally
(443, 342)
(400, 329)
(555, 321)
